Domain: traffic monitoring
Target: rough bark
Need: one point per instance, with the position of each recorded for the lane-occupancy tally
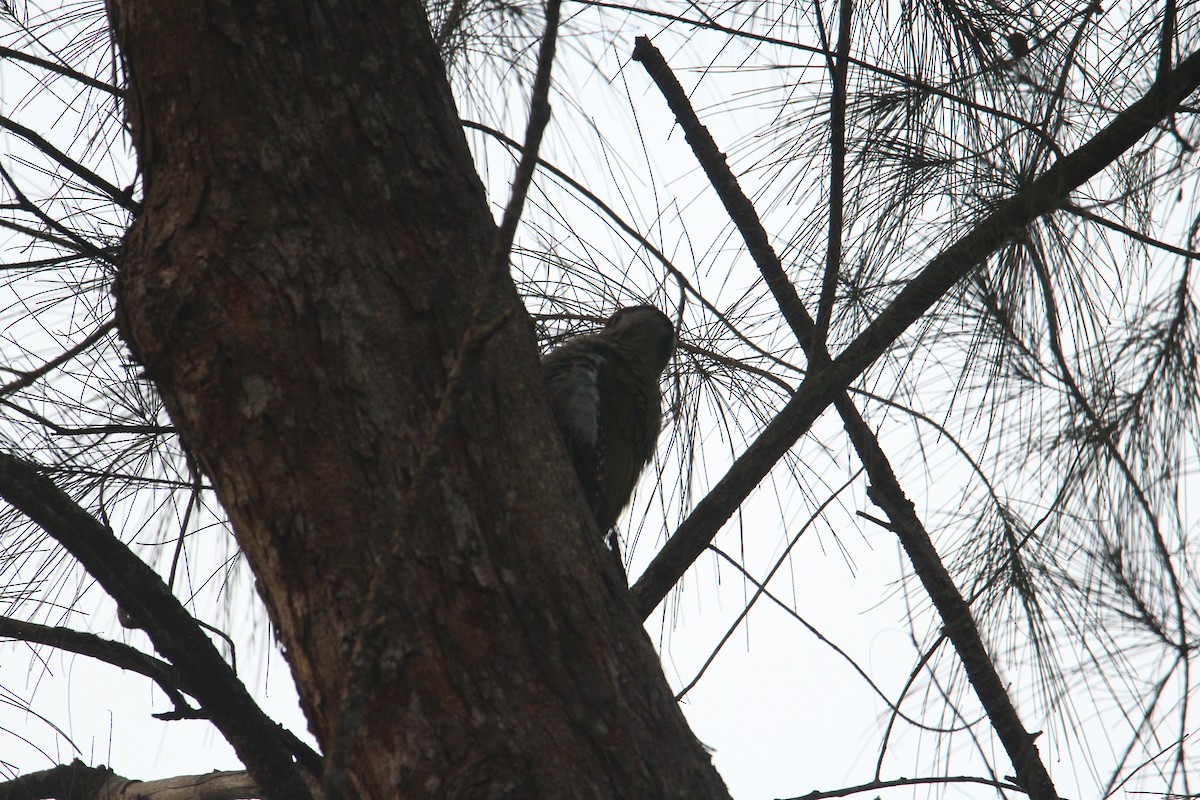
(77, 781)
(313, 242)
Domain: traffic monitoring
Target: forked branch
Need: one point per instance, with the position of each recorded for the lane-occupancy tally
(827, 382)
(260, 743)
(824, 384)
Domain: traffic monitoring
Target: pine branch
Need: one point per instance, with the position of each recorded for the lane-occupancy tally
(143, 595)
(827, 382)
(120, 655)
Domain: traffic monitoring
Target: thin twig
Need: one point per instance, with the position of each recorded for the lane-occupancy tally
(868, 66)
(61, 430)
(67, 72)
(539, 117)
(81, 245)
(887, 784)
(43, 236)
(1125, 230)
(30, 377)
(895, 708)
(119, 196)
(837, 174)
(761, 587)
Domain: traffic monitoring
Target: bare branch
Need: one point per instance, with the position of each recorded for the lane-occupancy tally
(761, 587)
(77, 781)
(874, 786)
(1166, 44)
(119, 196)
(74, 781)
(142, 594)
(121, 655)
(885, 490)
(80, 244)
(30, 377)
(837, 174)
(867, 66)
(539, 117)
(60, 69)
(821, 387)
(1125, 230)
(1044, 194)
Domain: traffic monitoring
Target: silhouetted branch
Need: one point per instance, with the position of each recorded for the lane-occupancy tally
(838, 69)
(827, 382)
(78, 243)
(121, 655)
(143, 595)
(1125, 230)
(67, 72)
(74, 781)
(89, 430)
(823, 386)
(877, 785)
(114, 193)
(761, 588)
(29, 377)
(884, 490)
(908, 81)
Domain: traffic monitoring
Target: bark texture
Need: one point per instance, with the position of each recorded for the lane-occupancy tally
(77, 781)
(313, 241)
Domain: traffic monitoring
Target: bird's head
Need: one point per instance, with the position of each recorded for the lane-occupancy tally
(644, 330)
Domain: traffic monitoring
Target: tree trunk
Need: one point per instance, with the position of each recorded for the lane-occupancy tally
(298, 287)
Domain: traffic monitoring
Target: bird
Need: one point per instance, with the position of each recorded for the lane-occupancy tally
(604, 391)
(1018, 44)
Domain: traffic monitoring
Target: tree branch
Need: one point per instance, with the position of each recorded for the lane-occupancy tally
(909, 82)
(77, 781)
(823, 385)
(80, 244)
(539, 117)
(67, 72)
(121, 197)
(121, 655)
(1125, 230)
(837, 173)
(28, 378)
(143, 595)
(875, 786)
(74, 781)
(828, 382)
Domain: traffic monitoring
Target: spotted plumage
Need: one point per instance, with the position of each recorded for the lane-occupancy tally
(605, 394)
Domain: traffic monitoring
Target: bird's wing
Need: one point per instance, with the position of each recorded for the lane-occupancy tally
(572, 374)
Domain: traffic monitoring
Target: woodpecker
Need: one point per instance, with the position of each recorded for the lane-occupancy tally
(605, 395)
